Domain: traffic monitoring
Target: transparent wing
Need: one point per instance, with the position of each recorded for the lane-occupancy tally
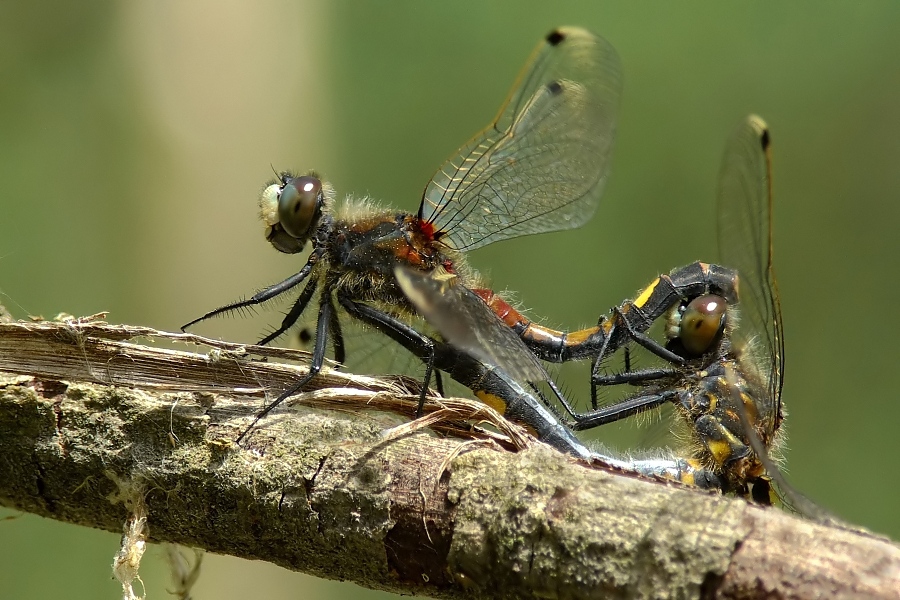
(370, 352)
(543, 163)
(468, 324)
(745, 243)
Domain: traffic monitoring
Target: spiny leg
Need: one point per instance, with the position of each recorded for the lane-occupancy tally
(439, 383)
(642, 339)
(622, 332)
(641, 376)
(420, 345)
(263, 295)
(597, 362)
(557, 393)
(318, 358)
(296, 310)
(622, 410)
(337, 337)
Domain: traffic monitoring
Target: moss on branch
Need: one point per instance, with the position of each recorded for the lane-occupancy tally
(101, 431)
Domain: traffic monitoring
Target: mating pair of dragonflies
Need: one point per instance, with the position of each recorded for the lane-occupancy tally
(541, 166)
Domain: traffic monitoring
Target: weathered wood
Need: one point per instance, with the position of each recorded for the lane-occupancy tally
(96, 430)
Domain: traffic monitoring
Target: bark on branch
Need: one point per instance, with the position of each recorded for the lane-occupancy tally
(97, 430)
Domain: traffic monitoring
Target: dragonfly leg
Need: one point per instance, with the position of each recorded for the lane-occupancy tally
(296, 310)
(326, 309)
(266, 294)
(420, 345)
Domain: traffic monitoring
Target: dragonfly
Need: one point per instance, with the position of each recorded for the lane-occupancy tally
(728, 388)
(540, 166)
(723, 375)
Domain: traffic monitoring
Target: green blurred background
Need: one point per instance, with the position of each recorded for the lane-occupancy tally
(134, 138)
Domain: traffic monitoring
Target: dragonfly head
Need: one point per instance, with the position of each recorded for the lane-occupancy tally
(696, 327)
(291, 209)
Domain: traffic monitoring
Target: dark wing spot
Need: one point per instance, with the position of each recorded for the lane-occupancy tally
(555, 37)
(555, 88)
(765, 139)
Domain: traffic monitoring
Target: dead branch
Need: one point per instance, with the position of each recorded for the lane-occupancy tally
(100, 431)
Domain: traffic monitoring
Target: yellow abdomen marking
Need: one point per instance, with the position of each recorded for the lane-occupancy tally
(641, 300)
(720, 450)
(495, 402)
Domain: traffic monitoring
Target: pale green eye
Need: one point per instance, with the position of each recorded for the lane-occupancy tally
(298, 204)
(702, 323)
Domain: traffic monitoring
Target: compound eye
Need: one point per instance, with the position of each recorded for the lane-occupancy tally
(702, 323)
(298, 204)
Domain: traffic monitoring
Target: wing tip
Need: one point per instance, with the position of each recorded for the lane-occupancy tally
(761, 129)
(556, 37)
